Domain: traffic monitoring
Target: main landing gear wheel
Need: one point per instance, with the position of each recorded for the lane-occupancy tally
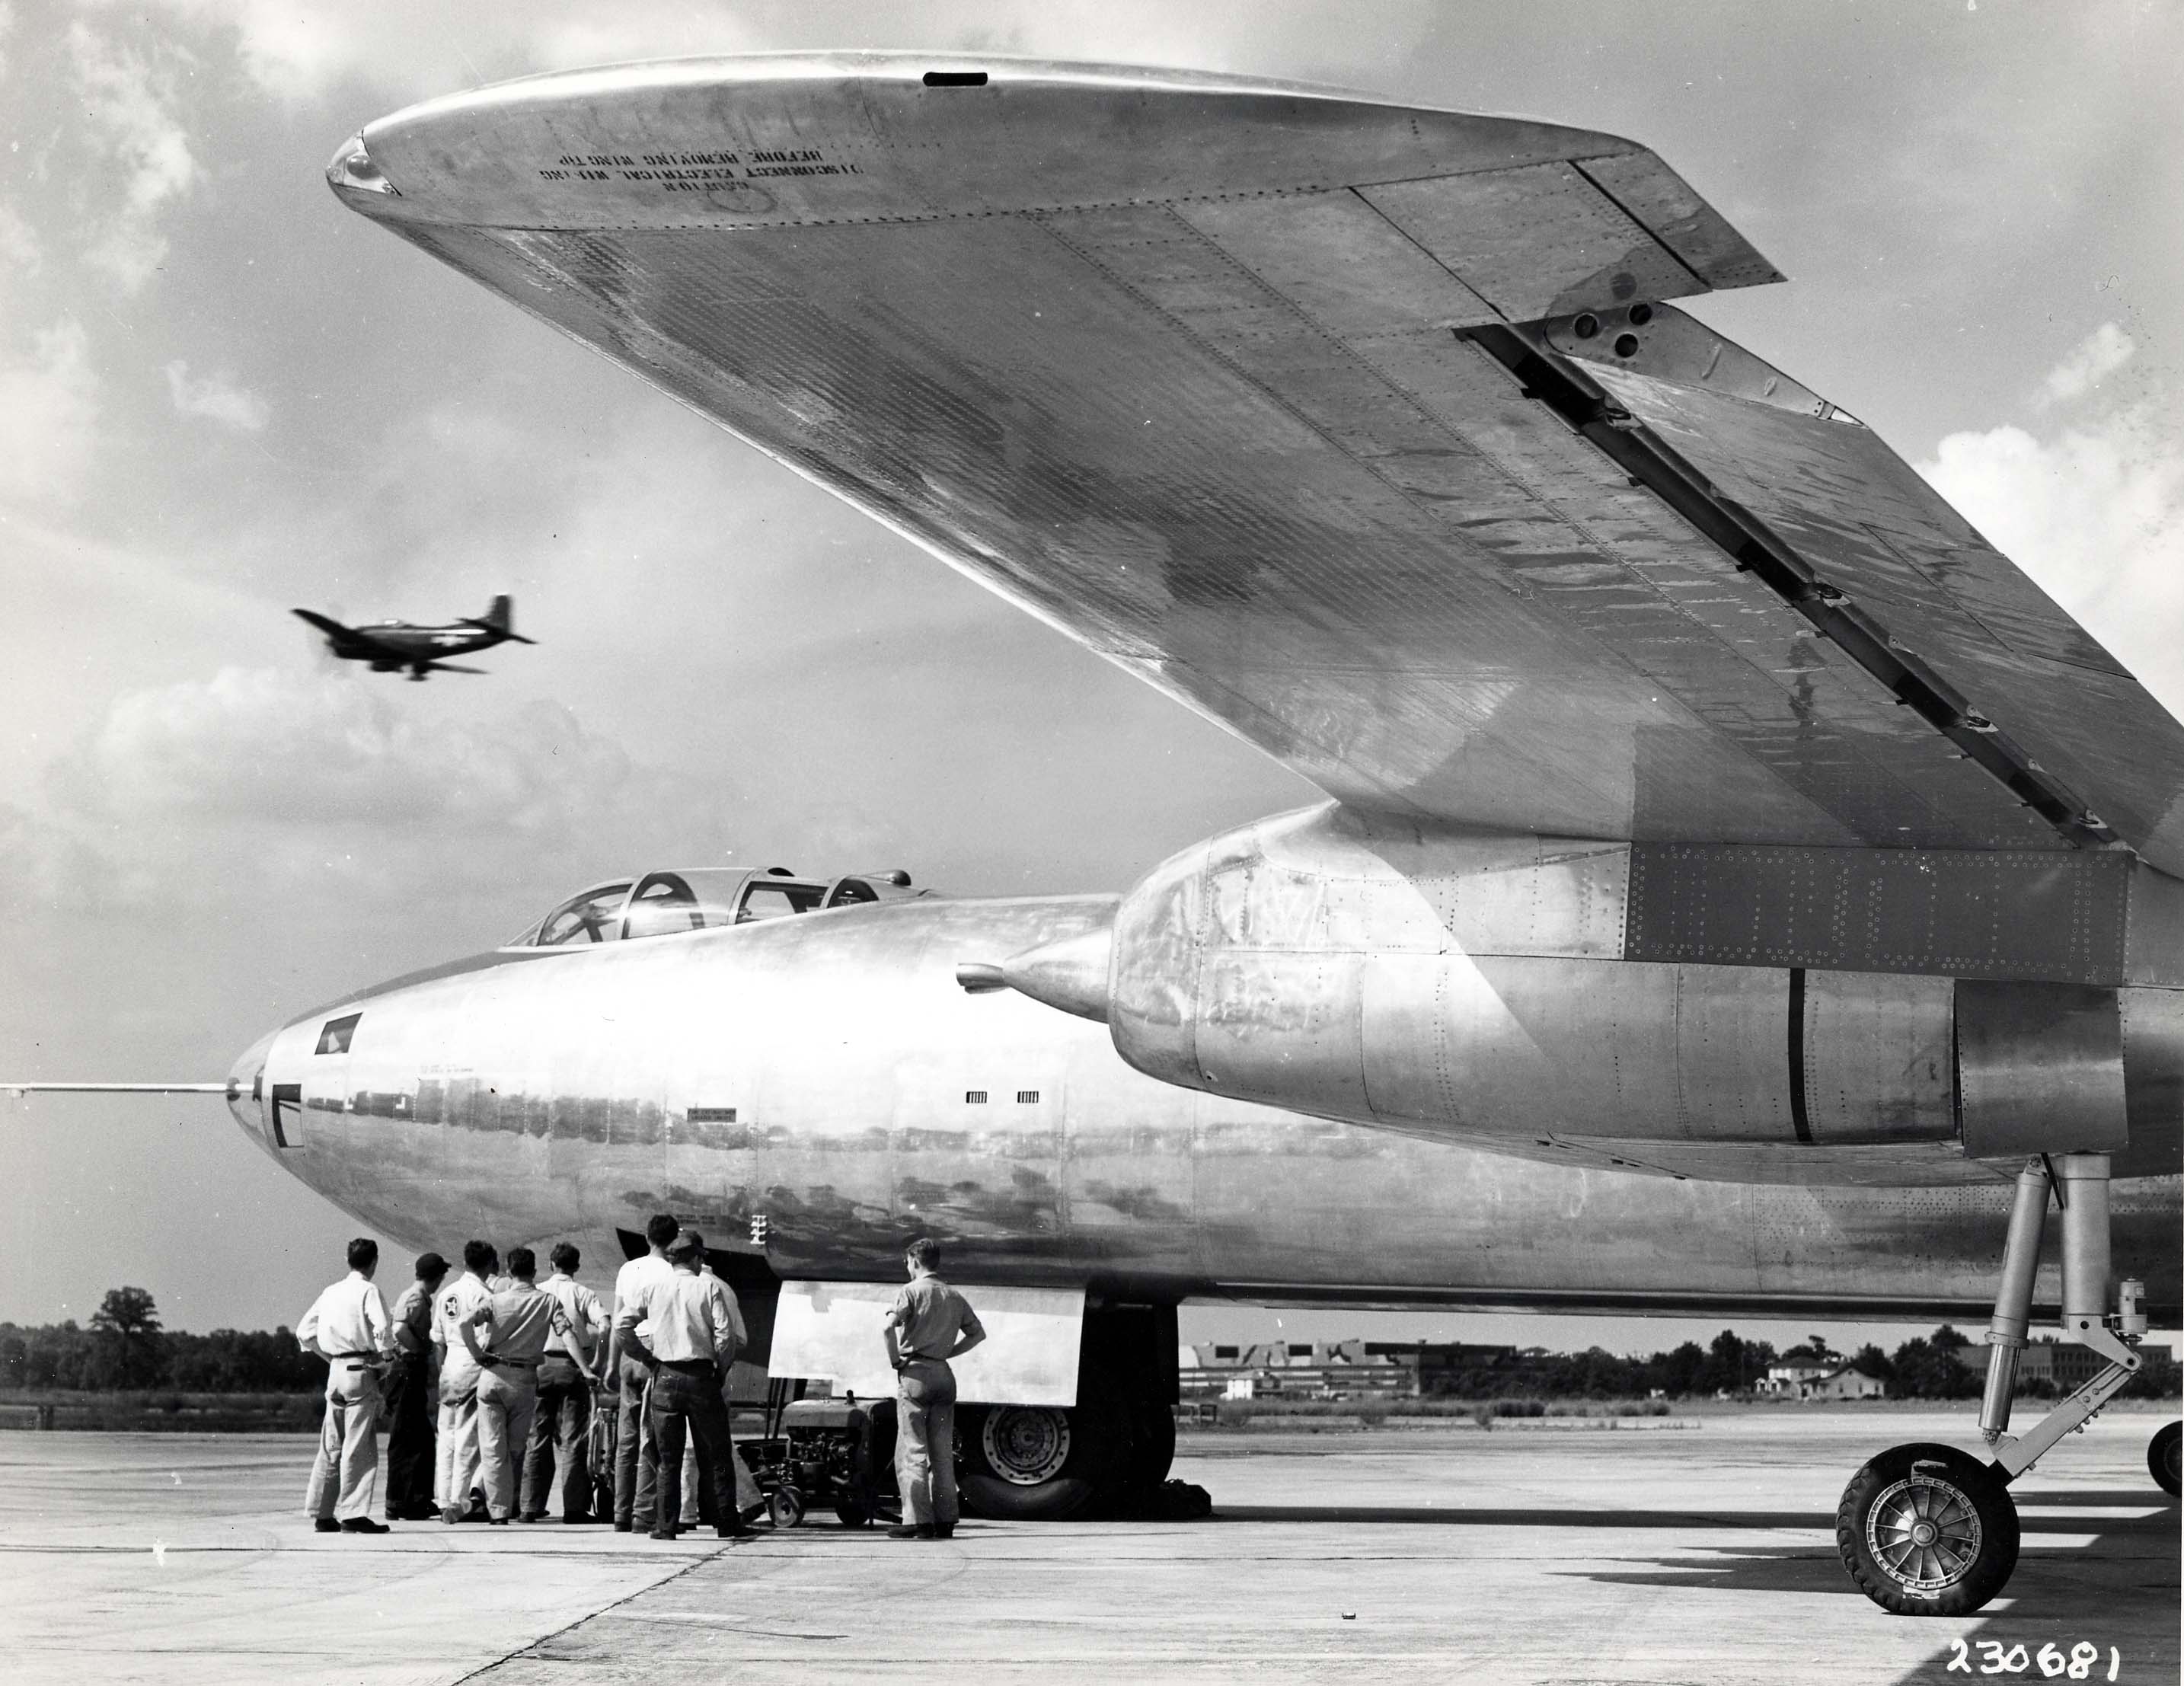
(2161, 1456)
(1928, 1531)
(1037, 1463)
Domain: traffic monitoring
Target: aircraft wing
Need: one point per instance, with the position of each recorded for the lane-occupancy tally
(1333, 419)
(348, 637)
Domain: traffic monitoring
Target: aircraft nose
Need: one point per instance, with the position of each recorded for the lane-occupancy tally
(246, 1086)
(353, 170)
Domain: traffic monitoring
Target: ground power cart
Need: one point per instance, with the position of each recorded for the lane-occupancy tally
(834, 1454)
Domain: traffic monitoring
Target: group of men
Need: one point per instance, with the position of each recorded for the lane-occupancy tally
(513, 1363)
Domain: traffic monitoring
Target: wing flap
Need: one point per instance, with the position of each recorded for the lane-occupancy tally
(1541, 241)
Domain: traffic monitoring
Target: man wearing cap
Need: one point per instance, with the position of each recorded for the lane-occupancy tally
(455, 1450)
(637, 1462)
(696, 1331)
(347, 1326)
(507, 1338)
(410, 1468)
(553, 1464)
(930, 1323)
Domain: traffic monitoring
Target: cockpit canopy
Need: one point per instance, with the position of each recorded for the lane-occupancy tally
(700, 898)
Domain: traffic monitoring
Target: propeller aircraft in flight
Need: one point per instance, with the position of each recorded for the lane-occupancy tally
(390, 646)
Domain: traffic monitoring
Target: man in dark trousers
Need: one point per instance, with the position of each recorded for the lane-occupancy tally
(694, 1330)
(930, 1324)
(555, 1473)
(408, 1397)
(637, 1460)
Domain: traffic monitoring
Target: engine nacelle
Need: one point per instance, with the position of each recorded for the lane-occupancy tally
(1442, 982)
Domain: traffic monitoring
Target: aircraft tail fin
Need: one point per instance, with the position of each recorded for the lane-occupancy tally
(501, 619)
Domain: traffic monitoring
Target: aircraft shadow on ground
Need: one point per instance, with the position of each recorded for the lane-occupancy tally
(1459, 1517)
(2119, 1589)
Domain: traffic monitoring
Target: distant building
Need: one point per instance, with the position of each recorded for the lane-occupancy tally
(1790, 1381)
(1849, 1383)
(1828, 1379)
(1309, 1370)
(2064, 1365)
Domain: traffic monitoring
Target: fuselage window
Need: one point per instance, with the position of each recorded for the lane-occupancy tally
(335, 1037)
(595, 916)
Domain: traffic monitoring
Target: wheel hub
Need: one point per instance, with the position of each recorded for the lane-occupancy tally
(1923, 1534)
(1025, 1445)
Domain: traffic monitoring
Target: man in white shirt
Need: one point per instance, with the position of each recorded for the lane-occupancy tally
(455, 1447)
(696, 1329)
(347, 1326)
(637, 1463)
(555, 1466)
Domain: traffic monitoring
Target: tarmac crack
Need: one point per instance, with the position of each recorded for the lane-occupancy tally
(713, 1556)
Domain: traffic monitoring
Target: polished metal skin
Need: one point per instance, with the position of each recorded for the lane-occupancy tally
(1362, 429)
(825, 1070)
(391, 645)
(1458, 984)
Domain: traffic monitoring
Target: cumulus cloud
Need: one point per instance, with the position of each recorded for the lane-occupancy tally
(217, 398)
(2095, 514)
(129, 103)
(48, 416)
(2097, 357)
(330, 749)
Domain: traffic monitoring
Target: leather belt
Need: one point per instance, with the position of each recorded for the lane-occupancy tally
(512, 1363)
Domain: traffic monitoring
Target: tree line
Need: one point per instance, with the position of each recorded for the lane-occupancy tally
(1945, 1365)
(126, 1348)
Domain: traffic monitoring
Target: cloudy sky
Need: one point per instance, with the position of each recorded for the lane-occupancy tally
(221, 395)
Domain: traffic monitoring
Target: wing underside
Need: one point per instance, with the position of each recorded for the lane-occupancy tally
(1205, 375)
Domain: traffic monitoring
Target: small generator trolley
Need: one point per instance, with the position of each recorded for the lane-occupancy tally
(831, 1453)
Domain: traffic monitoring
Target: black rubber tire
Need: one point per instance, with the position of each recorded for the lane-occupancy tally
(2161, 1456)
(785, 1509)
(1968, 1498)
(1099, 1438)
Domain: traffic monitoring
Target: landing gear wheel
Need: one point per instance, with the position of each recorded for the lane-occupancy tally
(2161, 1456)
(786, 1507)
(1927, 1531)
(853, 1516)
(1038, 1463)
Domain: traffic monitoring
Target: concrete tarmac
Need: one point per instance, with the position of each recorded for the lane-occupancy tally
(1560, 1555)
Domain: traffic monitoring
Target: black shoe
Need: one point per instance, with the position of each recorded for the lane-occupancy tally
(532, 1516)
(363, 1525)
(326, 1525)
(738, 1532)
(941, 1532)
(577, 1522)
(661, 1534)
(496, 1521)
(913, 1531)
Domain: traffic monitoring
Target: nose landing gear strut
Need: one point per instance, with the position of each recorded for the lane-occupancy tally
(1928, 1530)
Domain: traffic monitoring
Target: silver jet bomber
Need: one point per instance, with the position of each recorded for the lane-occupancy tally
(1741, 890)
